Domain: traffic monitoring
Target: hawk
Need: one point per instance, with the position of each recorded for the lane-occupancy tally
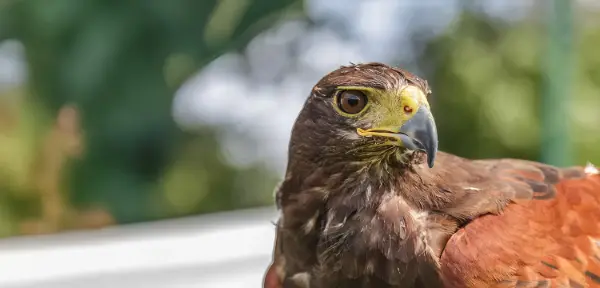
(369, 201)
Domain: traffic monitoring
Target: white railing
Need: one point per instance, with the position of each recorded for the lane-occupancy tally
(219, 250)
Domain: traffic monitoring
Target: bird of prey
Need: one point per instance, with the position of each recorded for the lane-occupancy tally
(368, 201)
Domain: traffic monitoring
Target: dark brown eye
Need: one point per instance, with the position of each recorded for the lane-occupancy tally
(352, 101)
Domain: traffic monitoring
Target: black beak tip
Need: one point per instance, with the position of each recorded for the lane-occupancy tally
(430, 149)
(430, 160)
(431, 152)
(420, 133)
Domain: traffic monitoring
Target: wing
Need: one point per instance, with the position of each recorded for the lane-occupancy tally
(275, 275)
(271, 279)
(548, 240)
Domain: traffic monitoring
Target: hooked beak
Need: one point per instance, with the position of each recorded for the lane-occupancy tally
(418, 133)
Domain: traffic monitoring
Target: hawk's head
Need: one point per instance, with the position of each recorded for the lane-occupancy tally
(365, 113)
(342, 199)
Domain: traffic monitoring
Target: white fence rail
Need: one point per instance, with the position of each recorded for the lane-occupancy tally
(224, 250)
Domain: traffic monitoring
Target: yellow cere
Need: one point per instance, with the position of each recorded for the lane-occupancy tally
(385, 108)
(415, 93)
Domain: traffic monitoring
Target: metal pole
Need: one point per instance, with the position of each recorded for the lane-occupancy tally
(556, 144)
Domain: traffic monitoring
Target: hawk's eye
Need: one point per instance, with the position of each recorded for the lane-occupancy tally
(352, 101)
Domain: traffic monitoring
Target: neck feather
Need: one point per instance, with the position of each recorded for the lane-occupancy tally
(360, 222)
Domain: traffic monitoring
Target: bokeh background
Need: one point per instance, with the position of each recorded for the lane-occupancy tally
(116, 112)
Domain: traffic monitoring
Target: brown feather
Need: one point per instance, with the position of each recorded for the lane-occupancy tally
(549, 239)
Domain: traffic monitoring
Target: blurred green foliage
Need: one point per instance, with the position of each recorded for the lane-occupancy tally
(112, 68)
(486, 76)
